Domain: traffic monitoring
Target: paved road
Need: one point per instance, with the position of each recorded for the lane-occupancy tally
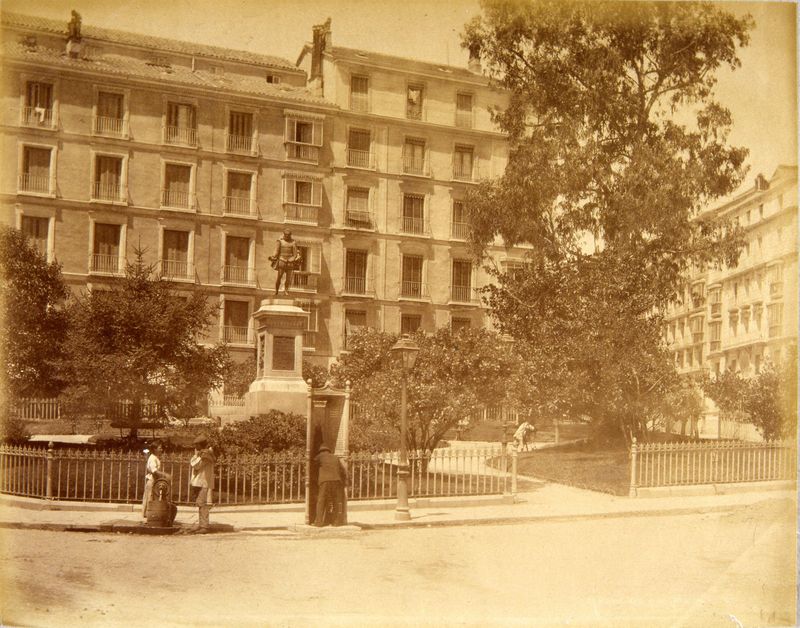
(689, 570)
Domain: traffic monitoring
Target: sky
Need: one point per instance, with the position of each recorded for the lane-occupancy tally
(762, 94)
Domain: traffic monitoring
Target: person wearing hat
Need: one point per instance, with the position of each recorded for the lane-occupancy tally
(330, 488)
(152, 472)
(285, 260)
(202, 481)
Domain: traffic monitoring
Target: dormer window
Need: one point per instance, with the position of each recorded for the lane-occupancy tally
(414, 102)
(273, 79)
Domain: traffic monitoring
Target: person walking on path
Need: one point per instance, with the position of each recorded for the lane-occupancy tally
(152, 473)
(521, 435)
(202, 481)
(285, 259)
(330, 489)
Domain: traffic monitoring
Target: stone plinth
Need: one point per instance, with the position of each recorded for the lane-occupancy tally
(279, 381)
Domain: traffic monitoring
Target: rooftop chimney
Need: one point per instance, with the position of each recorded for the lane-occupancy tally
(474, 64)
(321, 42)
(74, 35)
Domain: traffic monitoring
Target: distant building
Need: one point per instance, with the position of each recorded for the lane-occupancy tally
(737, 318)
(200, 156)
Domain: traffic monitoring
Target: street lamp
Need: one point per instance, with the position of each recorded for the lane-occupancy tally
(405, 353)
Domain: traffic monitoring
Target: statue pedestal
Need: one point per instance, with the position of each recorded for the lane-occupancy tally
(279, 381)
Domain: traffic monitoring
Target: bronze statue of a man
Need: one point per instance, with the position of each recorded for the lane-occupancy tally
(285, 260)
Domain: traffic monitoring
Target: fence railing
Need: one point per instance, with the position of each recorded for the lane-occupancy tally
(36, 409)
(91, 475)
(684, 464)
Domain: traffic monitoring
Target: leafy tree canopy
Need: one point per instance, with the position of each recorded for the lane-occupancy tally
(138, 340)
(34, 324)
(456, 373)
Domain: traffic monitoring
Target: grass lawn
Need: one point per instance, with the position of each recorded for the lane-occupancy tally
(580, 465)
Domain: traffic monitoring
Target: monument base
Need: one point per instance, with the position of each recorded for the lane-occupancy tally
(285, 395)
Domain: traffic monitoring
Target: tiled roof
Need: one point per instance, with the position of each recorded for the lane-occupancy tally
(128, 67)
(404, 64)
(88, 31)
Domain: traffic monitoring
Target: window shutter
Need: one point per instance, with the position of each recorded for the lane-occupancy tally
(288, 191)
(316, 193)
(315, 255)
(288, 133)
(317, 137)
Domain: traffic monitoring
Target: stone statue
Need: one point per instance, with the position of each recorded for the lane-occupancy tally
(74, 27)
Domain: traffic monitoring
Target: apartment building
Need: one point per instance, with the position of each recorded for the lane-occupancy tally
(737, 318)
(200, 156)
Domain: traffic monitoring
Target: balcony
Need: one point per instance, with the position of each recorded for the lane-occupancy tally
(110, 192)
(309, 340)
(715, 345)
(775, 330)
(177, 200)
(356, 286)
(107, 264)
(237, 205)
(180, 136)
(359, 101)
(299, 151)
(239, 275)
(463, 294)
(113, 127)
(358, 219)
(240, 143)
(40, 117)
(34, 183)
(236, 335)
(716, 309)
(304, 281)
(413, 226)
(459, 230)
(360, 159)
(415, 166)
(414, 290)
(306, 214)
(697, 336)
(464, 119)
(776, 289)
(462, 172)
(175, 269)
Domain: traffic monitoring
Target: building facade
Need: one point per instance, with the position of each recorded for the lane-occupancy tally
(199, 157)
(738, 318)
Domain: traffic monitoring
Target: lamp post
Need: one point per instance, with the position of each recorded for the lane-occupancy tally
(405, 352)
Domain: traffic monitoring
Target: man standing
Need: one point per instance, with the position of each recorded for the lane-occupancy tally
(202, 481)
(330, 489)
(152, 473)
(521, 435)
(285, 260)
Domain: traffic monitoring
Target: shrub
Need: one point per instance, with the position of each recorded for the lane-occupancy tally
(271, 432)
(14, 431)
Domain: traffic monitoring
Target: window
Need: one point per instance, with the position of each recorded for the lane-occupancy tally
(110, 117)
(175, 255)
(108, 176)
(462, 281)
(745, 316)
(177, 190)
(411, 284)
(240, 132)
(715, 333)
(106, 248)
(358, 148)
(775, 316)
(181, 125)
(310, 332)
(462, 163)
(414, 157)
(302, 198)
(413, 214)
(464, 111)
(409, 323)
(757, 311)
(274, 79)
(303, 137)
(458, 224)
(458, 324)
(715, 301)
(359, 93)
(306, 276)
(414, 102)
(357, 214)
(237, 260)
(238, 194)
(355, 281)
(38, 107)
(776, 281)
(37, 231)
(36, 172)
(236, 322)
(354, 322)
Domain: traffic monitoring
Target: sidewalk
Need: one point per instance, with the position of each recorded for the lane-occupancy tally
(545, 502)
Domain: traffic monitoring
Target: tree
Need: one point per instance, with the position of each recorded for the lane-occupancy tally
(34, 324)
(138, 341)
(456, 374)
(607, 185)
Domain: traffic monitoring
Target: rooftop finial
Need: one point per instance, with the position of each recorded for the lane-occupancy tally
(74, 27)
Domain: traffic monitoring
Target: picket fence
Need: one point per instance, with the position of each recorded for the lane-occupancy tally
(710, 462)
(91, 475)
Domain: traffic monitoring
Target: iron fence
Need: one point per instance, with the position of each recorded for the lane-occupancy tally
(115, 476)
(683, 464)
